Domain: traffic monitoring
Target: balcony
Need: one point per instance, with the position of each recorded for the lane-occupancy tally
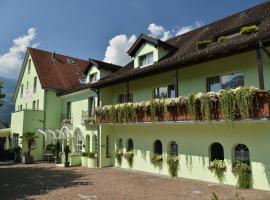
(66, 120)
(88, 118)
(226, 105)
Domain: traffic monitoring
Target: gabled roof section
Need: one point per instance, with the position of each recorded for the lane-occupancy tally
(145, 38)
(59, 73)
(187, 53)
(102, 65)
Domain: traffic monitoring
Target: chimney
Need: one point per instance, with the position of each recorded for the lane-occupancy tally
(53, 55)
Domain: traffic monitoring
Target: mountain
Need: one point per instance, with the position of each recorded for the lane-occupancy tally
(8, 107)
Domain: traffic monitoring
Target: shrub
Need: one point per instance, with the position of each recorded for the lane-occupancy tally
(243, 173)
(221, 38)
(173, 163)
(248, 29)
(85, 154)
(91, 154)
(203, 44)
(157, 160)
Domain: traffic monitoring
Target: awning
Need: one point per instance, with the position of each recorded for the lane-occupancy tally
(5, 132)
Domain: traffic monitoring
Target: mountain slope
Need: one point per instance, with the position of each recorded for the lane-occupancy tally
(8, 107)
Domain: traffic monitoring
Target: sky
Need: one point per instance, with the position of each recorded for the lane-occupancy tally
(99, 29)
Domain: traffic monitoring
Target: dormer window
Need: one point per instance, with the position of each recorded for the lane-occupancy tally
(93, 77)
(29, 66)
(146, 59)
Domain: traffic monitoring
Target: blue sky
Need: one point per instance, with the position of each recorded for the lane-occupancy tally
(84, 28)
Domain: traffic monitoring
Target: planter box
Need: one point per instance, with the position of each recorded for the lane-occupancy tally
(27, 159)
(91, 162)
(84, 161)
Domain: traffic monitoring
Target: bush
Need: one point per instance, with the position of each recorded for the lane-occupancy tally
(91, 154)
(85, 154)
(248, 29)
(203, 44)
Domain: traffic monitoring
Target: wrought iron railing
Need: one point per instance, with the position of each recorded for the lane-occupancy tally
(66, 120)
(88, 117)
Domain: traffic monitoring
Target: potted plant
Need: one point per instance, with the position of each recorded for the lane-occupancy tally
(29, 139)
(84, 157)
(67, 151)
(218, 167)
(129, 156)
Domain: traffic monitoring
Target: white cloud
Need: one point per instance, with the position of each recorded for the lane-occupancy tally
(10, 62)
(118, 46)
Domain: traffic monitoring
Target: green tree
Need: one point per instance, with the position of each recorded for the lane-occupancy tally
(2, 95)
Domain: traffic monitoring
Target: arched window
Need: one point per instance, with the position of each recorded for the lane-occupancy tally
(107, 146)
(129, 144)
(158, 147)
(94, 144)
(173, 149)
(217, 152)
(78, 140)
(241, 154)
(87, 143)
(120, 143)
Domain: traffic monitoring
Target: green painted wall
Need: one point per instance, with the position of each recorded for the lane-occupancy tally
(194, 140)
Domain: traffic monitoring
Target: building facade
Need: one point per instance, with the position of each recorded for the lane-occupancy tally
(154, 107)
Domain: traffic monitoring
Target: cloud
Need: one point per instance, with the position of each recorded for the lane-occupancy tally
(118, 46)
(10, 62)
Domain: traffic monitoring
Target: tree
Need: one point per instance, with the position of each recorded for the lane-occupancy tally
(2, 95)
(29, 139)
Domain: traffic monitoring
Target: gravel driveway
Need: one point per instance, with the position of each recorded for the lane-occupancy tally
(45, 181)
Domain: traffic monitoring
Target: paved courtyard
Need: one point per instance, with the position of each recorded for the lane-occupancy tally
(45, 181)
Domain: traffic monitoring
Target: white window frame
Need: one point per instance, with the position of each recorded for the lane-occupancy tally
(145, 56)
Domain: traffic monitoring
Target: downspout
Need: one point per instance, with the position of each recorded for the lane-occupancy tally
(176, 82)
(97, 91)
(260, 66)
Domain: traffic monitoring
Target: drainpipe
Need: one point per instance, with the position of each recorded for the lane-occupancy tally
(260, 66)
(176, 82)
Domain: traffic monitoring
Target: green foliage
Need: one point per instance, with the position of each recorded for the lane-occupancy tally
(129, 156)
(157, 160)
(67, 151)
(118, 155)
(227, 104)
(219, 168)
(157, 106)
(206, 106)
(248, 29)
(203, 44)
(243, 173)
(173, 163)
(221, 38)
(29, 138)
(2, 95)
(91, 154)
(192, 106)
(85, 154)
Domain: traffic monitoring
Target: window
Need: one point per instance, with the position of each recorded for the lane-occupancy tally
(93, 78)
(94, 144)
(241, 153)
(37, 104)
(146, 59)
(22, 91)
(79, 142)
(173, 149)
(107, 146)
(87, 143)
(29, 66)
(129, 144)
(91, 106)
(79, 145)
(68, 110)
(120, 144)
(227, 81)
(122, 98)
(217, 152)
(158, 147)
(34, 105)
(164, 92)
(20, 107)
(35, 85)
(15, 139)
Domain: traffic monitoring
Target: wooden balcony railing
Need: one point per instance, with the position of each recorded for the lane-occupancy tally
(66, 121)
(88, 118)
(179, 109)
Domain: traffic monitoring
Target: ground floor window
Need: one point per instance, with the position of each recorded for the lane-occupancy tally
(241, 153)
(129, 144)
(158, 147)
(94, 144)
(87, 143)
(217, 152)
(107, 146)
(173, 149)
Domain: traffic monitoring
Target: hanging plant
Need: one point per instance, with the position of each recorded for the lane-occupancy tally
(118, 155)
(130, 112)
(192, 106)
(129, 156)
(206, 106)
(244, 100)
(243, 173)
(227, 104)
(157, 160)
(219, 169)
(173, 163)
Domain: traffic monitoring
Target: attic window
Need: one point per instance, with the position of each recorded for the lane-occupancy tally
(146, 59)
(70, 61)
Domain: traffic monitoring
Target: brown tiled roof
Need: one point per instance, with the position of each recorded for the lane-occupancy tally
(61, 73)
(101, 64)
(187, 53)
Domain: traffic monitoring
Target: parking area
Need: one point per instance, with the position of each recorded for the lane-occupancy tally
(46, 181)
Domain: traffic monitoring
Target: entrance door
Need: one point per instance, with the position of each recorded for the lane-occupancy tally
(2, 144)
